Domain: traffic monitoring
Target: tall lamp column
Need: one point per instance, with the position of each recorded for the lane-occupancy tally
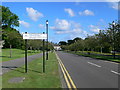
(47, 39)
(113, 25)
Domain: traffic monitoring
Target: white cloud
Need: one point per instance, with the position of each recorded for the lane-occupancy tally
(70, 28)
(115, 5)
(87, 13)
(112, 0)
(41, 26)
(73, 29)
(75, 24)
(25, 24)
(94, 28)
(69, 11)
(61, 24)
(34, 14)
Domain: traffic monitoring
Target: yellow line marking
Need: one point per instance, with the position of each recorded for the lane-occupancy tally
(69, 77)
(68, 84)
(66, 72)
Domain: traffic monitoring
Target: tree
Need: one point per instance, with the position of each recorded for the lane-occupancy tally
(9, 19)
(77, 39)
(13, 39)
(62, 43)
(113, 33)
(102, 41)
(105, 41)
(11, 36)
(70, 42)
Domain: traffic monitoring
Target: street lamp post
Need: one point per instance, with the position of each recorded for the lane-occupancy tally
(113, 25)
(47, 39)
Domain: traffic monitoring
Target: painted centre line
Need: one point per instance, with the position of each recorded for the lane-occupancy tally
(67, 77)
(94, 64)
(115, 72)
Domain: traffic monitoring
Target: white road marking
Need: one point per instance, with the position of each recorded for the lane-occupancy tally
(94, 64)
(115, 72)
(111, 62)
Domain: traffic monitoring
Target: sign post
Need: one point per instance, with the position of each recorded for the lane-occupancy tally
(43, 54)
(27, 36)
(25, 54)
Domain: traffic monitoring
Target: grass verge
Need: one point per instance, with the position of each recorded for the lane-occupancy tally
(16, 53)
(35, 78)
(97, 56)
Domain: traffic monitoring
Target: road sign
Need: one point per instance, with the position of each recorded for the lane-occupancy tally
(34, 36)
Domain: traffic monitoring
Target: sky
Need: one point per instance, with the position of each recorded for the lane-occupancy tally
(67, 20)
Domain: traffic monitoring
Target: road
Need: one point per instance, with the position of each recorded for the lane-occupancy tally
(86, 72)
(12, 64)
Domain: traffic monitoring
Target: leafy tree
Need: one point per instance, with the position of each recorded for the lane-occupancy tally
(9, 19)
(62, 43)
(70, 42)
(105, 41)
(13, 39)
(102, 41)
(77, 39)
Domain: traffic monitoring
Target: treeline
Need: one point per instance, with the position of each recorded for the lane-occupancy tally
(105, 41)
(12, 37)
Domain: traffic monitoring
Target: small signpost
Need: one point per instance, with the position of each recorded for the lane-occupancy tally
(34, 36)
(27, 36)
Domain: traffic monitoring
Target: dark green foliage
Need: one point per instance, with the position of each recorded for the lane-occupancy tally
(104, 41)
(9, 19)
(70, 42)
(12, 37)
(62, 43)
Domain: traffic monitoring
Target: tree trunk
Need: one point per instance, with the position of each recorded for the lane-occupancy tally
(31, 49)
(10, 51)
(82, 50)
(101, 50)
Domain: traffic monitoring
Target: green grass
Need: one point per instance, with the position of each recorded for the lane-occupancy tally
(35, 78)
(16, 53)
(94, 52)
(109, 58)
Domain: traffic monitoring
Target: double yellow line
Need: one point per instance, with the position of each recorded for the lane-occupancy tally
(67, 77)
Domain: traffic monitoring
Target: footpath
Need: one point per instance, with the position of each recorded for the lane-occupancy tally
(13, 64)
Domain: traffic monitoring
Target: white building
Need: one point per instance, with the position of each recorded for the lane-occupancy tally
(57, 48)
(1, 43)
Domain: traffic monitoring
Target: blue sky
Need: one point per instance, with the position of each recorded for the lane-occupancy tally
(67, 20)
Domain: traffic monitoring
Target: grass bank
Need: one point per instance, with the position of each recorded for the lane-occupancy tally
(93, 55)
(35, 78)
(16, 53)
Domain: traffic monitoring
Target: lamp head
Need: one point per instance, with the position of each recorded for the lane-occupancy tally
(113, 23)
(46, 21)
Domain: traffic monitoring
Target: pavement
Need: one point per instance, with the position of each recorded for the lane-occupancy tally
(87, 72)
(13, 64)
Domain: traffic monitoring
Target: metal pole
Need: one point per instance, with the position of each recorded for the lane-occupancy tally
(113, 41)
(43, 54)
(25, 54)
(47, 39)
